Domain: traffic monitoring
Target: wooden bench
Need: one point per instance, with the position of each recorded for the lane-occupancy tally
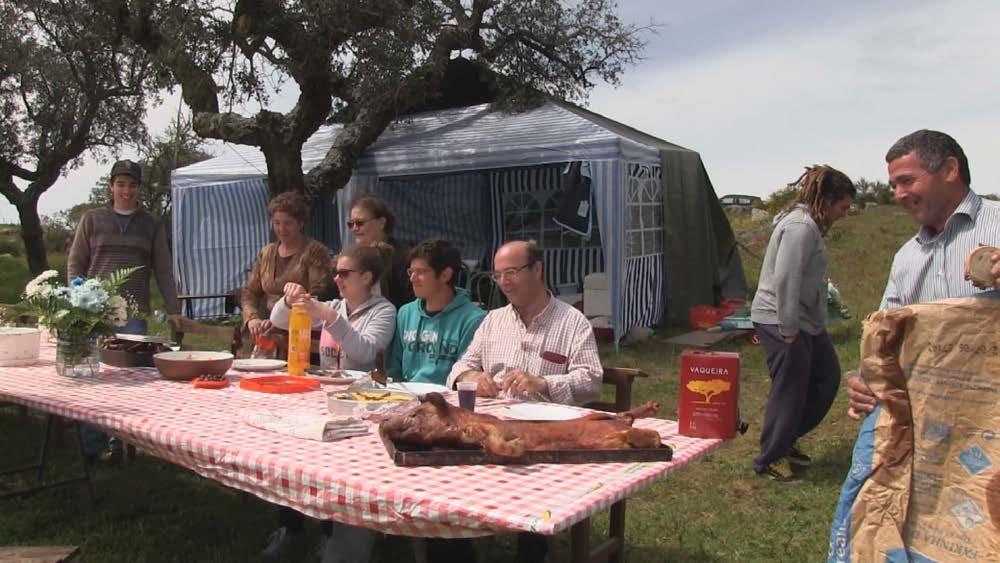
(39, 554)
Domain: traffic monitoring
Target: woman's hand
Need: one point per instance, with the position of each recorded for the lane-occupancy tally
(258, 327)
(320, 311)
(294, 293)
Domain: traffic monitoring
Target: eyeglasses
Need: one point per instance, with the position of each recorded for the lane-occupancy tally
(509, 272)
(357, 224)
(419, 272)
(343, 273)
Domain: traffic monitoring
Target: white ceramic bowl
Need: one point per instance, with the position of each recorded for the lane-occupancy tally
(19, 346)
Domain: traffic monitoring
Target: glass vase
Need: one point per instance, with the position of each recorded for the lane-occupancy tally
(77, 355)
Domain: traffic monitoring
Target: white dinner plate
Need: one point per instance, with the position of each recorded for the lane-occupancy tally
(250, 364)
(418, 388)
(143, 338)
(336, 376)
(540, 411)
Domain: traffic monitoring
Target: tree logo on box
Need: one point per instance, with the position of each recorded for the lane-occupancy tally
(709, 388)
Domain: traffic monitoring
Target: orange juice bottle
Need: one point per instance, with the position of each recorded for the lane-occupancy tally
(299, 340)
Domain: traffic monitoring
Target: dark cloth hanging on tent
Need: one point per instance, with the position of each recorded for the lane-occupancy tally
(576, 203)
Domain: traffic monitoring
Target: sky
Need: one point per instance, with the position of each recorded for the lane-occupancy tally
(762, 89)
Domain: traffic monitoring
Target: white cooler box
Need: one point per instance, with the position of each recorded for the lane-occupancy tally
(19, 346)
(597, 295)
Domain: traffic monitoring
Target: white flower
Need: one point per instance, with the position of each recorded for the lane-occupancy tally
(42, 285)
(117, 310)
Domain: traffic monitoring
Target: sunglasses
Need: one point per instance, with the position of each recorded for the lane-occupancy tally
(343, 273)
(357, 224)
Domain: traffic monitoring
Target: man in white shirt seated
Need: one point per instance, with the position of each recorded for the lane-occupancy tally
(536, 348)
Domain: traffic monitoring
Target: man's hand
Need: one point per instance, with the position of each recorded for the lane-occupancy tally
(860, 396)
(790, 339)
(518, 381)
(487, 388)
(995, 271)
(258, 327)
(177, 320)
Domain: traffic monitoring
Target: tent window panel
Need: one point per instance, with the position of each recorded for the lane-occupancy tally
(634, 190)
(552, 238)
(531, 215)
(634, 217)
(644, 212)
(649, 219)
(634, 243)
(650, 241)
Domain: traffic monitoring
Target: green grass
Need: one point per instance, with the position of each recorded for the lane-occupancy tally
(715, 509)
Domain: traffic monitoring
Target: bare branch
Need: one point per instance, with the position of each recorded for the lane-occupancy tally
(12, 169)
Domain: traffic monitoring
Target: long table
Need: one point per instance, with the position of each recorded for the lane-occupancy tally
(351, 481)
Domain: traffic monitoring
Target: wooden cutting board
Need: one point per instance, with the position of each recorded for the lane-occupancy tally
(406, 456)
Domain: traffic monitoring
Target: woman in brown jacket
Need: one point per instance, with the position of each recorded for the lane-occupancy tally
(293, 258)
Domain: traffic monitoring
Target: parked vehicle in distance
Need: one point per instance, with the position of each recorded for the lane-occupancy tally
(740, 200)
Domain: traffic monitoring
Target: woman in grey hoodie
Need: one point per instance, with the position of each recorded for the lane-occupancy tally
(355, 328)
(359, 324)
(789, 315)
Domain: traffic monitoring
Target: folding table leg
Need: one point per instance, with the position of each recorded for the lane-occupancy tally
(43, 456)
(86, 484)
(579, 542)
(616, 531)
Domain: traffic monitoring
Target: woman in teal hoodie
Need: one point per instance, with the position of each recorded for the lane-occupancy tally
(433, 331)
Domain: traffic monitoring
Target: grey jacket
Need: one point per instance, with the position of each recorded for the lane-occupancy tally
(361, 335)
(792, 289)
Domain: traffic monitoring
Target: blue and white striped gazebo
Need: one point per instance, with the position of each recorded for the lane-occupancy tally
(480, 177)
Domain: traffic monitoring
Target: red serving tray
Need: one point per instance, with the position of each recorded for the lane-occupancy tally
(279, 384)
(209, 384)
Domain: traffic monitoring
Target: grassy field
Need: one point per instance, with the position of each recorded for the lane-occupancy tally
(713, 510)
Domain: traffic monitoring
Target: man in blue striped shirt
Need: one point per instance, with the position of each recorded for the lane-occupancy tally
(930, 175)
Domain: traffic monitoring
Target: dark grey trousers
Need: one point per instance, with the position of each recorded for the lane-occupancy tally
(805, 376)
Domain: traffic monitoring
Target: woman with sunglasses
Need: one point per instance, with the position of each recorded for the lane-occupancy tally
(355, 328)
(294, 258)
(372, 221)
(359, 324)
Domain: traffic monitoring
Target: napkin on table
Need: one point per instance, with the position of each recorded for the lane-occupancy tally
(322, 428)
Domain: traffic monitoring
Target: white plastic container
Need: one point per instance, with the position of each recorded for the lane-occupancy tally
(19, 346)
(597, 295)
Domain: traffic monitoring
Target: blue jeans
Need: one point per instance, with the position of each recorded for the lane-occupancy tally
(95, 441)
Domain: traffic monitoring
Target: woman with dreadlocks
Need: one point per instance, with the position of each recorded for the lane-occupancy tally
(789, 315)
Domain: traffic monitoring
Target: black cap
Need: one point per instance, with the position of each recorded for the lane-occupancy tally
(127, 168)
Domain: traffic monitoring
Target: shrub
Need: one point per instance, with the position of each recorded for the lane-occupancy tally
(11, 246)
(781, 198)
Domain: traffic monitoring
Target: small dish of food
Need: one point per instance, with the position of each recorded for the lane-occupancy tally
(371, 400)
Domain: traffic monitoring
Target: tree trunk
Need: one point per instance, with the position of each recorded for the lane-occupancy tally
(284, 168)
(33, 236)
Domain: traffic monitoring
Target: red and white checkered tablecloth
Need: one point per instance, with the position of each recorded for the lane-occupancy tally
(352, 480)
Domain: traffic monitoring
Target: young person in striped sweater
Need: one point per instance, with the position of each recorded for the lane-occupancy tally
(123, 235)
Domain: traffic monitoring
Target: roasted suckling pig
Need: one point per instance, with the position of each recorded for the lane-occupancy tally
(437, 424)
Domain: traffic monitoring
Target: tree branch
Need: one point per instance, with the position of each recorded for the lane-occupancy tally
(8, 188)
(11, 169)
